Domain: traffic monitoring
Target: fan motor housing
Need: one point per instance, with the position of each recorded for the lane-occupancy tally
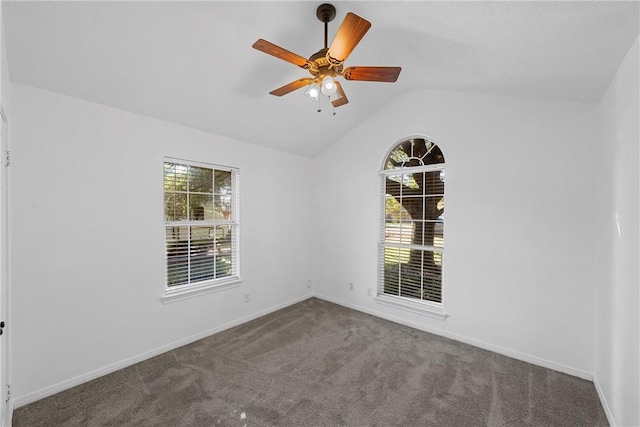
(321, 65)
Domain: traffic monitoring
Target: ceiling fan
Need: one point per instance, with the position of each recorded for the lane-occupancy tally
(327, 64)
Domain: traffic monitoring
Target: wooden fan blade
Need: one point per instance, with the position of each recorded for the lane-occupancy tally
(351, 31)
(372, 74)
(291, 86)
(343, 98)
(279, 52)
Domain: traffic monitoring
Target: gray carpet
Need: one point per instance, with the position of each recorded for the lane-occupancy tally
(320, 364)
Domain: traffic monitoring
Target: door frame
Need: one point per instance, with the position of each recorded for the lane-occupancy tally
(6, 403)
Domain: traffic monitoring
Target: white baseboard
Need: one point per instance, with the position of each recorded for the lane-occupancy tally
(476, 343)
(80, 379)
(603, 401)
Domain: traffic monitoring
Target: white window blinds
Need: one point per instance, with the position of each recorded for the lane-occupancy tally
(201, 223)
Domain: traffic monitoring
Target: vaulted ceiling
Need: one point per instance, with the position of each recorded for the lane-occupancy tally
(192, 63)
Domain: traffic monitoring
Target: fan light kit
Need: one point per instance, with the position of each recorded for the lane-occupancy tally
(327, 64)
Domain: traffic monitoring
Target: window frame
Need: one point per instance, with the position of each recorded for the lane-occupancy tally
(414, 305)
(192, 289)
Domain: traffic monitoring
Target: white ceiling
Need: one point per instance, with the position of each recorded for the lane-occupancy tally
(192, 63)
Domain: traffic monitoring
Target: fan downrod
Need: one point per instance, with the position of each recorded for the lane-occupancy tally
(325, 13)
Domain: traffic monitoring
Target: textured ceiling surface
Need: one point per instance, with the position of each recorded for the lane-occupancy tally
(192, 63)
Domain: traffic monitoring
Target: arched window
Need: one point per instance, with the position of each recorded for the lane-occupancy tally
(412, 226)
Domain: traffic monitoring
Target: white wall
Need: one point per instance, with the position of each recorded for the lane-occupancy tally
(617, 356)
(5, 84)
(88, 238)
(518, 266)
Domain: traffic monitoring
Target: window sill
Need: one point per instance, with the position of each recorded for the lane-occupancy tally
(423, 307)
(180, 293)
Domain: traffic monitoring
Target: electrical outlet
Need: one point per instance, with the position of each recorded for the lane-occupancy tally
(246, 297)
(350, 286)
(369, 292)
(309, 284)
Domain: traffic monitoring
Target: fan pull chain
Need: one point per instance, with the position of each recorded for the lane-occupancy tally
(330, 99)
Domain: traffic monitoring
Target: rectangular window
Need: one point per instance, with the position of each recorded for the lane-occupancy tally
(412, 238)
(201, 226)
